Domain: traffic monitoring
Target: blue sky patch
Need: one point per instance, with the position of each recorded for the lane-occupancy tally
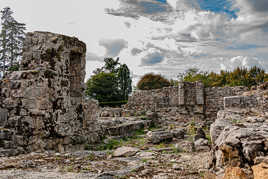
(163, 1)
(244, 47)
(152, 59)
(218, 6)
(152, 8)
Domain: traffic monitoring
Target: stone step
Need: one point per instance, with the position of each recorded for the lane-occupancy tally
(127, 128)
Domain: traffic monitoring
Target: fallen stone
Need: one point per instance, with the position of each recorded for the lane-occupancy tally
(201, 145)
(185, 146)
(178, 133)
(146, 155)
(260, 171)
(235, 173)
(125, 152)
(159, 136)
(200, 134)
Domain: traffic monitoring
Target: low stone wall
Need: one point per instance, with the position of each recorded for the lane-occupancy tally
(188, 99)
(215, 98)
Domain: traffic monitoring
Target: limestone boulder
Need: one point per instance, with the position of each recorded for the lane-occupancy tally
(235, 173)
(125, 152)
(157, 137)
(260, 171)
(201, 145)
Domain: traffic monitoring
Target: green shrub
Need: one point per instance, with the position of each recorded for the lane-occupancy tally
(152, 81)
(238, 77)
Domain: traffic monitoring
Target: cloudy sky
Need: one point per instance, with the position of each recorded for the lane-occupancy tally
(160, 36)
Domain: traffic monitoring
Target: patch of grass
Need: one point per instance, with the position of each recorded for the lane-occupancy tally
(207, 132)
(163, 145)
(91, 157)
(138, 132)
(69, 169)
(134, 141)
(112, 144)
(191, 129)
(144, 160)
(153, 127)
(144, 118)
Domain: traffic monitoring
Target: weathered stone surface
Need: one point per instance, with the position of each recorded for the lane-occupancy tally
(201, 145)
(260, 171)
(178, 133)
(159, 136)
(239, 134)
(44, 100)
(3, 116)
(189, 99)
(240, 102)
(235, 173)
(125, 152)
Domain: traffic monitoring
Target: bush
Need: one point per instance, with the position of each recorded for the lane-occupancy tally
(238, 77)
(14, 67)
(152, 81)
(103, 87)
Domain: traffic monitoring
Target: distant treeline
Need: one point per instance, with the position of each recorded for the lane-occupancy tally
(237, 77)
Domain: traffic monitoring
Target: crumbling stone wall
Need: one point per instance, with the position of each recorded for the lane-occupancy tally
(44, 101)
(215, 98)
(239, 134)
(188, 99)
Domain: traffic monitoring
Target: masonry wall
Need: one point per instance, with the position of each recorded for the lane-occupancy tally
(42, 105)
(186, 99)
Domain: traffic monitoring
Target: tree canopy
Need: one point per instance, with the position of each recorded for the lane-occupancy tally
(237, 77)
(110, 83)
(152, 81)
(11, 40)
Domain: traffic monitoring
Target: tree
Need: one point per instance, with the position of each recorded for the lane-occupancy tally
(124, 81)
(237, 77)
(103, 87)
(152, 81)
(119, 87)
(110, 66)
(11, 39)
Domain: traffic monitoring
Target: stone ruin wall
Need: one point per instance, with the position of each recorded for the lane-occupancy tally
(187, 99)
(42, 106)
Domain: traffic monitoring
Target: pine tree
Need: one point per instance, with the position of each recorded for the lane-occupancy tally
(124, 81)
(16, 36)
(11, 39)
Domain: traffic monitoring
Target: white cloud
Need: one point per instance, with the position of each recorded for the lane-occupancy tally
(179, 33)
(113, 46)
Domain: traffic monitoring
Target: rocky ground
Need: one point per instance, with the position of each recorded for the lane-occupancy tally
(159, 153)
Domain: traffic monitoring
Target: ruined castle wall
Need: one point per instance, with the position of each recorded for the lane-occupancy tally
(44, 101)
(215, 98)
(189, 99)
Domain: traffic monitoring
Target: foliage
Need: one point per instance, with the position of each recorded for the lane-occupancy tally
(237, 77)
(152, 81)
(136, 140)
(14, 67)
(113, 103)
(110, 84)
(11, 39)
(103, 87)
(124, 81)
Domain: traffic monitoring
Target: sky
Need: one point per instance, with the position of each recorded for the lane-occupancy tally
(159, 36)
